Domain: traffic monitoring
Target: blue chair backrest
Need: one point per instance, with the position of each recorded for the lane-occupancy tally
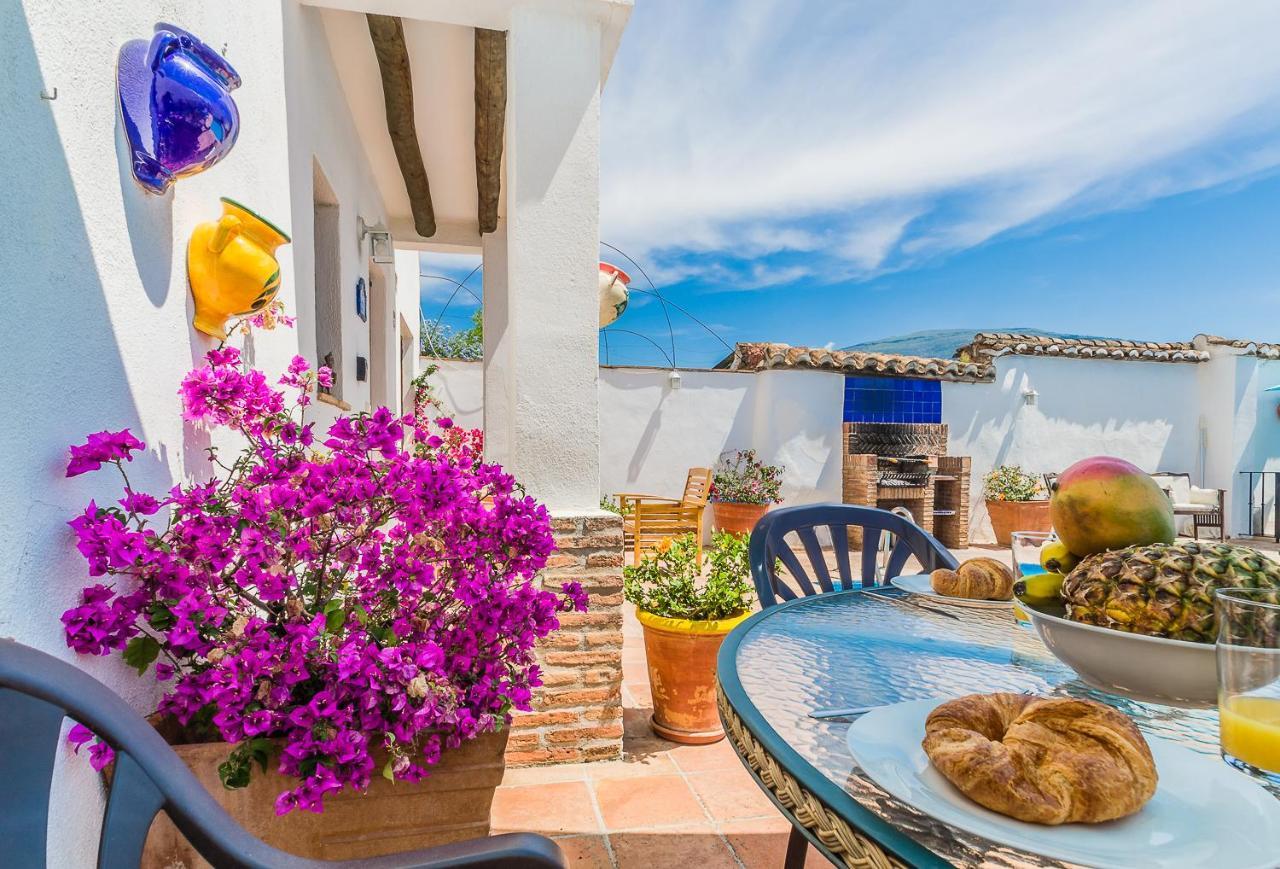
(808, 568)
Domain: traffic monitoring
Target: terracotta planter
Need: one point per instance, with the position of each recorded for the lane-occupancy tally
(1010, 516)
(681, 654)
(450, 805)
(735, 517)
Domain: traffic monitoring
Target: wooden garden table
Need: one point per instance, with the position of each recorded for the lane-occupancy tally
(860, 649)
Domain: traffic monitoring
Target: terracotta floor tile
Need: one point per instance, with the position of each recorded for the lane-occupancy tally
(540, 775)
(640, 694)
(638, 747)
(730, 795)
(632, 766)
(559, 807)
(647, 801)
(762, 843)
(585, 852)
(699, 847)
(635, 722)
(699, 758)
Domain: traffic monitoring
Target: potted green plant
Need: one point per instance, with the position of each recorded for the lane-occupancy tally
(1015, 502)
(685, 617)
(742, 490)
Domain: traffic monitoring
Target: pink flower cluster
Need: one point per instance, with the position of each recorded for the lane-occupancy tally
(355, 609)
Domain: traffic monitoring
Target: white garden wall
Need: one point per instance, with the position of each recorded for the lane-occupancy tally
(1210, 419)
(1145, 412)
(97, 333)
(651, 434)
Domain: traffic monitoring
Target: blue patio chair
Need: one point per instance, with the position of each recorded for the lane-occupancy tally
(37, 691)
(769, 545)
(809, 568)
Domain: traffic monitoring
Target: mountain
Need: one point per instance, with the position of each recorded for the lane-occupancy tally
(942, 343)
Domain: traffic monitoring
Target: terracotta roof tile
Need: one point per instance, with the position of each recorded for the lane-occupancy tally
(1251, 348)
(988, 345)
(974, 361)
(760, 356)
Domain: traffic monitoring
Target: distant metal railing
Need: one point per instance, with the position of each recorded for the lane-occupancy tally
(1258, 513)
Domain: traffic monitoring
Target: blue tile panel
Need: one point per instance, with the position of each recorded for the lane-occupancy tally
(892, 399)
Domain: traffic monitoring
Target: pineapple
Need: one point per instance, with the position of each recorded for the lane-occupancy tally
(1164, 589)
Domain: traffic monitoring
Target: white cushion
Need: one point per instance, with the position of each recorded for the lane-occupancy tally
(1208, 497)
(1178, 487)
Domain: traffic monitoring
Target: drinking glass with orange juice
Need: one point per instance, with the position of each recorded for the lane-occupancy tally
(1249, 679)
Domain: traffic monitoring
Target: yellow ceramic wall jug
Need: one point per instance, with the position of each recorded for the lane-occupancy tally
(232, 267)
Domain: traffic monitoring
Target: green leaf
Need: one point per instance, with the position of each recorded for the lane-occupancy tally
(334, 615)
(234, 772)
(388, 771)
(260, 749)
(141, 653)
(160, 616)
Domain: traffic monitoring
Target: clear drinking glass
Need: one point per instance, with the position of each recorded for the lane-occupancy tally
(1249, 679)
(1026, 546)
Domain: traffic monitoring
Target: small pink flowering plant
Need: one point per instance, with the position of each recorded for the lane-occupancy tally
(351, 606)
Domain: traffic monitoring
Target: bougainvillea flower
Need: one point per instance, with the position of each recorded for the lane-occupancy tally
(378, 596)
(100, 448)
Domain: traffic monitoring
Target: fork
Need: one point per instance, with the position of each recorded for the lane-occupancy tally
(850, 712)
(909, 600)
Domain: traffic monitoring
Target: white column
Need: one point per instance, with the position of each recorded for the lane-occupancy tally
(499, 351)
(541, 313)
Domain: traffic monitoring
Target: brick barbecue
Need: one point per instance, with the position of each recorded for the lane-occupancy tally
(889, 465)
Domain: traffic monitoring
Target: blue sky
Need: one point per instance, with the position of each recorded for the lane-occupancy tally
(824, 174)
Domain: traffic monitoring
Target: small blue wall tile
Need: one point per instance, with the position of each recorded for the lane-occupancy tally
(892, 399)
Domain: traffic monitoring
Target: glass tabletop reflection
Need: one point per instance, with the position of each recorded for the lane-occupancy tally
(854, 649)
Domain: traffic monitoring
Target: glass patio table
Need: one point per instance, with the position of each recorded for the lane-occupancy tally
(857, 649)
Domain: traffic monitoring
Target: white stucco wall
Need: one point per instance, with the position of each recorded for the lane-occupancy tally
(1156, 415)
(1145, 412)
(1250, 440)
(651, 434)
(98, 333)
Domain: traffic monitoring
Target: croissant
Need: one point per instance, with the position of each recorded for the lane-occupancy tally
(977, 579)
(1043, 760)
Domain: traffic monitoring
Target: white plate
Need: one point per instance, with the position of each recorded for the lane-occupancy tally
(921, 585)
(1203, 814)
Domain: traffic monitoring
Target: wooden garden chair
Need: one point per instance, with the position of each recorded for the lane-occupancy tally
(649, 520)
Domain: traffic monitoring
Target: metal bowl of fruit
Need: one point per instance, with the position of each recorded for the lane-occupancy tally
(1139, 621)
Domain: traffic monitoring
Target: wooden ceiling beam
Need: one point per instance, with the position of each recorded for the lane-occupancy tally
(491, 111)
(387, 33)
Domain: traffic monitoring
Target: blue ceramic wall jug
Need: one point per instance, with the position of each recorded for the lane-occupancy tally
(175, 106)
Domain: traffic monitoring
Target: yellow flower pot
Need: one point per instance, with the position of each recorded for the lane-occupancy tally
(232, 267)
(681, 654)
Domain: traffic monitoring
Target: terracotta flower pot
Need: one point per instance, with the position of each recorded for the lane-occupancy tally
(450, 805)
(1010, 516)
(681, 654)
(736, 517)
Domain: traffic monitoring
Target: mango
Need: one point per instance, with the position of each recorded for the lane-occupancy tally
(1105, 503)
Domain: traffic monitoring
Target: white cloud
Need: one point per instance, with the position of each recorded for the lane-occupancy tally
(879, 133)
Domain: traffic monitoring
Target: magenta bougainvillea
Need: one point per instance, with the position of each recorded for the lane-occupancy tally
(342, 605)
